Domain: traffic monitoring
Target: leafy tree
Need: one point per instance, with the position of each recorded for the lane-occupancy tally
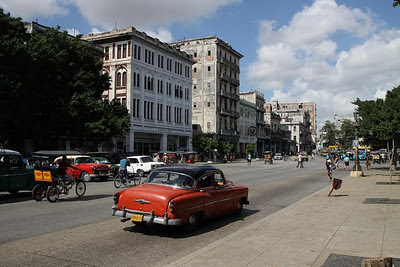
(13, 57)
(205, 144)
(396, 3)
(59, 89)
(329, 133)
(225, 147)
(250, 148)
(380, 119)
(346, 134)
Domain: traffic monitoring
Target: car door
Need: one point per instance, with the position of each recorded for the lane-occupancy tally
(210, 197)
(4, 172)
(20, 177)
(225, 194)
(133, 165)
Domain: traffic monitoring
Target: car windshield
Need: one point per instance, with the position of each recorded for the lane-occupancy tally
(102, 161)
(170, 178)
(84, 160)
(146, 159)
(278, 154)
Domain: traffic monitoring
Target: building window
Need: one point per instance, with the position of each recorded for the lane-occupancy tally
(194, 105)
(195, 54)
(148, 110)
(209, 52)
(119, 48)
(195, 70)
(159, 112)
(136, 52)
(107, 53)
(168, 113)
(208, 104)
(121, 78)
(208, 125)
(169, 88)
(159, 86)
(124, 51)
(135, 108)
(209, 68)
(136, 79)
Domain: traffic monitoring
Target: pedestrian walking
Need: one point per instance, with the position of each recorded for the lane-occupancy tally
(249, 159)
(367, 163)
(328, 164)
(300, 161)
(346, 162)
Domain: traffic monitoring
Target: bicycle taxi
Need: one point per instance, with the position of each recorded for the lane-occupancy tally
(268, 157)
(51, 185)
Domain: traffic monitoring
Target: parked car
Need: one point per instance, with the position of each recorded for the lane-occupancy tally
(278, 156)
(88, 169)
(180, 195)
(142, 165)
(113, 167)
(14, 176)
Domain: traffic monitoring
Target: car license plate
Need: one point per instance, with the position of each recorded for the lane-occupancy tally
(137, 218)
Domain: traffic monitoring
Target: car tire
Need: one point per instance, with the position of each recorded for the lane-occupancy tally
(140, 172)
(193, 222)
(86, 177)
(38, 192)
(239, 208)
(53, 193)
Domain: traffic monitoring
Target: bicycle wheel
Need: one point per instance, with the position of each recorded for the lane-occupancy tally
(38, 192)
(117, 181)
(53, 193)
(80, 188)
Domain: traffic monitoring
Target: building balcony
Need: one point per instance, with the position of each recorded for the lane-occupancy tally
(229, 95)
(227, 112)
(229, 132)
(229, 63)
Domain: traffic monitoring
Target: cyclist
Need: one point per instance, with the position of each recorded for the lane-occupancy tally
(123, 172)
(63, 165)
(328, 165)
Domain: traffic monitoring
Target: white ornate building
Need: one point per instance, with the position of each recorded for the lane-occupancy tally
(154, 81)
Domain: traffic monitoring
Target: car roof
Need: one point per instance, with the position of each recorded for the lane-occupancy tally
(56, 152)
(9, 152)
(194, 171)
(73, 157)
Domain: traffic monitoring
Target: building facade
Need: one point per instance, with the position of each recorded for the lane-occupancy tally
(215, 87)
(263, 138)
(247, 126)
(154, 81)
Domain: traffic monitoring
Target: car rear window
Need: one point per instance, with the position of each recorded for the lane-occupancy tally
(171, 179)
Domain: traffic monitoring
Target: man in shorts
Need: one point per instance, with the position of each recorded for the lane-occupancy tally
(346, 162)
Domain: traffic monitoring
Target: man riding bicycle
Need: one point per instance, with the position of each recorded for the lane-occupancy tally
(123, 172)
(63, 165)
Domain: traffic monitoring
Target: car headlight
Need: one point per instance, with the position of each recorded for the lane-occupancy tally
(172, 206)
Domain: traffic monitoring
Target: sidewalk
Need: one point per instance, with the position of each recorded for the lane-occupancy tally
(360, 220)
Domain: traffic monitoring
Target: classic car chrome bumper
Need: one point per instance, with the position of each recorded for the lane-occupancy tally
(148, 217)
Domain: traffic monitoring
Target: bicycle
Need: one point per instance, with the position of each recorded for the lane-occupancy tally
(135, 178)
(62, 186)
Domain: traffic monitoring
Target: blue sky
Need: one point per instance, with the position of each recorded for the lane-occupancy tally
(326, 51)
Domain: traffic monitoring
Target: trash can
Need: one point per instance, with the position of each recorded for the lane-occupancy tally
(337, 183)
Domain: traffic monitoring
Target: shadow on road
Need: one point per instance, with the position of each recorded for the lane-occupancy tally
(180, 231)
(74, 198)
(17, 197)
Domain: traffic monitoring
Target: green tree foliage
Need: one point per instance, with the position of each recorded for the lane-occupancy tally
(250, 148)
(346, 134)
(59, 90)
(224, 147)
(380, 120)
(396, 3)
(329, 133)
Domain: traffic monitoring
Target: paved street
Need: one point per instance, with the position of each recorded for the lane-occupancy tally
(43, 230)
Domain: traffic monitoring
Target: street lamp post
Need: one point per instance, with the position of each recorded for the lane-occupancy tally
(357, 166)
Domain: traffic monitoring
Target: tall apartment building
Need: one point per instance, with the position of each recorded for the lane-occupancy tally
(298, 121)
(154, 81)
(215, 87)
(261, 130)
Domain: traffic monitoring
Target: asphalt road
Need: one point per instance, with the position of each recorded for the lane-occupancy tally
(85, 228)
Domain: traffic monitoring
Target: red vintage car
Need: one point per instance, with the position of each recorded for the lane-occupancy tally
(88, 169)
(180, 195)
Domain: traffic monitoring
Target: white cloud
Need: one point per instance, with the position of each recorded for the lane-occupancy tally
(143, 14)
(73, 32)
(28, 9)
(302, 61)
